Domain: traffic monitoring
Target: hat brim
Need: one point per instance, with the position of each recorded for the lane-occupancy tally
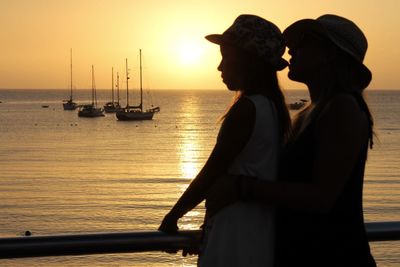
(215, 38)
(294, 32)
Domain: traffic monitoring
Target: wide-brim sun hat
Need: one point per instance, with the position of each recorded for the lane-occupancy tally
(257, 36)
(342, 32)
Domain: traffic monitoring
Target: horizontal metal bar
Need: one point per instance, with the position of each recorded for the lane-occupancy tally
(130, 242)
(81, 244)
(383, 231)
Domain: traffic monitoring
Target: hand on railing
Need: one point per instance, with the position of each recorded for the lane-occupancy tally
(169, 225)
(192, 250)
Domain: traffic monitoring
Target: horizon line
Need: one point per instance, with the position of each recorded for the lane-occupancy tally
(183, 89)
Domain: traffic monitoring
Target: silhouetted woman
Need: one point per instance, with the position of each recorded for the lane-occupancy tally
(318, 194)
(250, 138)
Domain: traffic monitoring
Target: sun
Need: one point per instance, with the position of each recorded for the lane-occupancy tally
(190, 53)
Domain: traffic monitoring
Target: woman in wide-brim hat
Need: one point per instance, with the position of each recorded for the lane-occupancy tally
(329, 149)
(320, 182)
(252, 133)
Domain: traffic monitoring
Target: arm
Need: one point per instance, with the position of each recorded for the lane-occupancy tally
(234, 134)
(341, 132)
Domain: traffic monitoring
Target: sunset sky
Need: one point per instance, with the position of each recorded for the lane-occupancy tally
(37, 35)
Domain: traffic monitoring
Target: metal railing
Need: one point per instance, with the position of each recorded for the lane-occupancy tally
(62, 245)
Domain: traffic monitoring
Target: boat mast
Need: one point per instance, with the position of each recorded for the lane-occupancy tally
(127, 78)
(141, 89)
(93, 91)
(112, 85)
(117, 87)
(70, 97)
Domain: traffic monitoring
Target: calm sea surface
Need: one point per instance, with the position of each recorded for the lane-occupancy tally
(62, 174)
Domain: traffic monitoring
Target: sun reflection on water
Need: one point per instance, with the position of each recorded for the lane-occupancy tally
(190, 146)
(189, 167)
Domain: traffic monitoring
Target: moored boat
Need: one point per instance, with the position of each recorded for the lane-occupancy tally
(297, 105)
(113, 105)
(91, 110)
(135, 113)
(69, 104)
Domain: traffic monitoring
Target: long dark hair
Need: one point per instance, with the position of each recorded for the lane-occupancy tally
(344, 79)
(261, 78)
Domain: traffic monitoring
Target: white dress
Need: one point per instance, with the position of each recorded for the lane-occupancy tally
(242, 234)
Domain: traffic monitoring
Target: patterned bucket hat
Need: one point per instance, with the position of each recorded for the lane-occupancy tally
(342, 32)
(257, 36)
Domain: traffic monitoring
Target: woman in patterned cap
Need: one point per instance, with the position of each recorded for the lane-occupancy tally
(318, 195)
(252, 133)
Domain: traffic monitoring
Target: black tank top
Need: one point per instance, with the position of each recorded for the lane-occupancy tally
(337, 238)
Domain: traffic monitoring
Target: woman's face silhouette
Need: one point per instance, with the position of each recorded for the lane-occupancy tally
(232, 67)
(309, 58)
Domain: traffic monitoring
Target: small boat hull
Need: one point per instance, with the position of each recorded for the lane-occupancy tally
(90, 111)
(69, 105)
(111, 107)
(132, 115)
(297, 105)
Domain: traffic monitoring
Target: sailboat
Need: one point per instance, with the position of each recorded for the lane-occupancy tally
(297, 105)
(112, 106)
(135, 113)
(91, 110)
(70, 104)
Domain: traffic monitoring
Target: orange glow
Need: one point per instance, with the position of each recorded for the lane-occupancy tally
(190, 53)
(37, 36)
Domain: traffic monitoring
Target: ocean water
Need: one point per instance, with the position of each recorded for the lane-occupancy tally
(61, 174)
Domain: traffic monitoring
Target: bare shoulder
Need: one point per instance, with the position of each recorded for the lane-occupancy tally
(244, 104)
(237, 127)
(243, 109)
